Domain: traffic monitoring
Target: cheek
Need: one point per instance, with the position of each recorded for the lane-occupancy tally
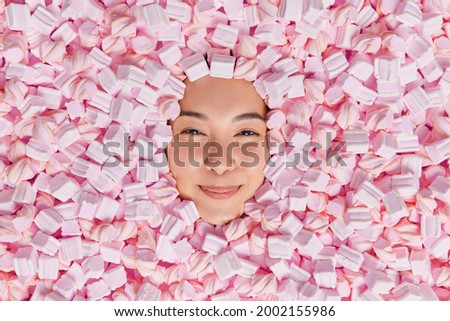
(254, 158)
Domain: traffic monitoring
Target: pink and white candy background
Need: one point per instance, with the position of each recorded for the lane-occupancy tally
(76, 75)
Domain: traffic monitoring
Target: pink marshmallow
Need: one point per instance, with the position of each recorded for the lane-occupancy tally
(225, 35)
(25, 263)
(335, 64)
(307, 243)
(48, 267)
(214, 244)
(280, 246)
(369, 194)
(187, 211)
(156, 74)
(71, 248)
(340, 229)
(226, 265)
(420, 50)
(408, 13)
(64, 33)
(172, 227)
(169, 54)
(62, 187)
(222, 66)
(43, 20)
(266, 194)
(438, 151)
(115, 277)
(357, 217)
(195, 67)
(316, 179)
(48, 221)
(155, 17)
(18, 16)
(325, 274)
(349, 258)
(277, 85)
(45, 243)
(356, 141)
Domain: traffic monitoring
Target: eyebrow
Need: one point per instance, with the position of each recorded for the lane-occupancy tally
(241, 117)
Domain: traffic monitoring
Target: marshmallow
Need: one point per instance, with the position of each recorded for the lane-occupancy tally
(291, 225)
(214, 244)
(368, 194)
(357, 217)
(298, 196)
(66, 135)
(71, 248)
(290, 10)
(378, 282)
(316, 179)
(108, 81)
(349, 258)
(417, 100)
(408, 72)
(146, 172)
(307, 243)
(408, 13)
(169, 54)
(115, 277)
(280, 246)
(64, 33)
(18, 16)
(395, 208)
(384, 145)
(225, 35)
(43, 20)
(420, 50)
(135, 191)
(277, 85)
(25, 263)
(296, 89)
(131, 76)
(406, 184)
(195, 67)
(340, 230)
(121, 110)
(48, 221)
(62, 187)
(222, 66)
(172, 227)
(441, 188)
(156, 74)
(48, 267)
(226, 265)
(45, 243)
(439, 150)
(155, 17)
(99, 58)
(335, 64)
(325, 274)
(187, 211)
(356, 141)
(430, 226)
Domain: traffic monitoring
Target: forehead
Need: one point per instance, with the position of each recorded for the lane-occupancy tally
(221, 95)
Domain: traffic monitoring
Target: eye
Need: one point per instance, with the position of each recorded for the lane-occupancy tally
(248, 133)
(190, 132)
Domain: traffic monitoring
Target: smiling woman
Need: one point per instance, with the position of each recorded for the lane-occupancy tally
(219, 146)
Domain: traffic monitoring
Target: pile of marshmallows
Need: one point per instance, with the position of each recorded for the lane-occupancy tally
(369, 223)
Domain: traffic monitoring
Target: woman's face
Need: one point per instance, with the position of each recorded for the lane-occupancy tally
(219, 149)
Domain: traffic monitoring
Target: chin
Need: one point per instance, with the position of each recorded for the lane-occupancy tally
(219, 220)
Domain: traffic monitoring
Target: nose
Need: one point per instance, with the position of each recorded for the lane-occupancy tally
(219, 157)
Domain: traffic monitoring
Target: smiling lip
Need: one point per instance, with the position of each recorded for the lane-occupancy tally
(220, 192)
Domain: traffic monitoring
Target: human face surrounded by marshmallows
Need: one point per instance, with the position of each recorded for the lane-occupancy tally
(219, 147)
